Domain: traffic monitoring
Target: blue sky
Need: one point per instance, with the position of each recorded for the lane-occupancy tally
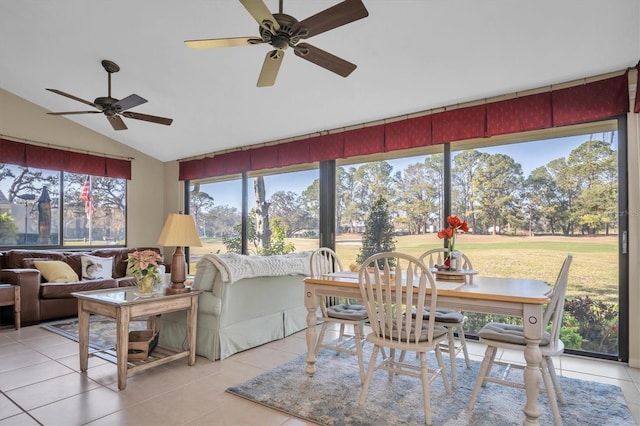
(530, 155)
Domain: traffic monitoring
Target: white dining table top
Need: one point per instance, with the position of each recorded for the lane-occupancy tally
(485, 288)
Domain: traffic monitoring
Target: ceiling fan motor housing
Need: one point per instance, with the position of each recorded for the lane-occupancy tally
(284, 37)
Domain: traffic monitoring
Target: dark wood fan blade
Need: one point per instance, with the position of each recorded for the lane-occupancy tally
(146, 117)
(117, 123)
(221, 42)
(333, 17)
(324, 59)
(75, 98)
(260, 13)
(129, 102)
(270, 68)
(74, 112)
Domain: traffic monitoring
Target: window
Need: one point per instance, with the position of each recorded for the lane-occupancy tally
(31, 213)
(529, 198)
(289, 200)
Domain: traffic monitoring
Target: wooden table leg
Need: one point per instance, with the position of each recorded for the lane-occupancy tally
(83, 336)
(192, 318)
(311, 302)
(532, 320)
(122, 345)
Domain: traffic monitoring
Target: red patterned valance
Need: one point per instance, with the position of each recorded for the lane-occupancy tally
(459, 124)
(405, 134)
(519, 115)
(592, 101)
(368, 140)
(599, 100)
(26, 155)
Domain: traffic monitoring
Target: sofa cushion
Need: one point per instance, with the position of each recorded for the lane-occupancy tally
(55, 271)
(14, 259)
(64, 290)
(95, 267)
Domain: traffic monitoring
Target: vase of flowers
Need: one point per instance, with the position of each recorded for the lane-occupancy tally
(144, 265)
(450, 232)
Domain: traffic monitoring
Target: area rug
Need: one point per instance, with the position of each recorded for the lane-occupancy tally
(331, 398)
(102, 330)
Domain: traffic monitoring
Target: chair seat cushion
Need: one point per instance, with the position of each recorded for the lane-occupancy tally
(438, 331)
(444, 315)
(347, 312)
(508, 333)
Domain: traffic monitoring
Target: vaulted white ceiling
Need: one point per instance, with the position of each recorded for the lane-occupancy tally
(412, 55)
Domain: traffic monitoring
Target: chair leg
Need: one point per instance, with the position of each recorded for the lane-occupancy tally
(485, 368)
(443, 370)
(367, 379)
(323, 330)
(341, 332)
(551, 393)
(426, 397)
(358, 341)
(554, 379)
(463, 343)
(452, 356)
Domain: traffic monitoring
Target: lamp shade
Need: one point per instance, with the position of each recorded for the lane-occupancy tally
(179, 231)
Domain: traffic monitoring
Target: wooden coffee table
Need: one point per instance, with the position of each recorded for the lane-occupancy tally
(124, 304)
(10, 295)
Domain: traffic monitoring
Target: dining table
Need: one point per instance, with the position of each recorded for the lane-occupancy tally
(514, 297)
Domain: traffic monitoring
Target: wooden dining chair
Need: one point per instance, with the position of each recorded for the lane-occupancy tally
(508, 336)
(381, 278)
(451, 319)
(325, 261)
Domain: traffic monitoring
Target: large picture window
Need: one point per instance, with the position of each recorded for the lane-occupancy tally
(529, 199)
(40, 207)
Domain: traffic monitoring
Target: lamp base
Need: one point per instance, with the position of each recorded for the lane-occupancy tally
(174, 290)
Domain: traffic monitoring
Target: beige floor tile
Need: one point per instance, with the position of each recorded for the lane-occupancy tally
(176, 393)
(19, 420)
(80, 409)
(52, 390)
(136, 415)
(232, 410)
(24, 376)
(21, 359)
(8, 408)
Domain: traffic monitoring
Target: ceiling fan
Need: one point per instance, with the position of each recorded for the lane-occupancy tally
(283, 31)
(111, 107)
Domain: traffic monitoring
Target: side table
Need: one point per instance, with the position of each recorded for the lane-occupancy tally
(10, 295)
(122, 305)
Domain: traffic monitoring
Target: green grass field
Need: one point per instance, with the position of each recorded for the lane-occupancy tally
(594, 271)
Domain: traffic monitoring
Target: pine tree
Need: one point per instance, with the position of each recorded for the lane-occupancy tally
(378, 231)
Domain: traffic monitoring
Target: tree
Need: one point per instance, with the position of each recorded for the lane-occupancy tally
(277, 245)
(8, 230)
(416, 200)
(289, 209)
(261, 213)
(594, 165)
(378, 231)
(463, 177)
(498, 186)
(199, 203)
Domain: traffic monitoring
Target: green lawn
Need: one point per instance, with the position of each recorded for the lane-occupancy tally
(594, 271)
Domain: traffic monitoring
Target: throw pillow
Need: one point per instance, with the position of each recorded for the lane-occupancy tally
(95, 267)
(55, 271)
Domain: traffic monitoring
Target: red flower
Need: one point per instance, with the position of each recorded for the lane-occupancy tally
(455, 225)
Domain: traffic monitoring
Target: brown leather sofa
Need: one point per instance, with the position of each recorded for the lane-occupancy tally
(43, 301)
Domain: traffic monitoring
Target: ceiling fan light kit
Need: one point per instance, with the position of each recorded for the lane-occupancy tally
(111, 107)
(282, 31)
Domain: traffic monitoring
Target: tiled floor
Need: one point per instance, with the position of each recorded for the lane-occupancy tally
(40, 384)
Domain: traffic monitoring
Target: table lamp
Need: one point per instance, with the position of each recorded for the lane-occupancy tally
(180, 231)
